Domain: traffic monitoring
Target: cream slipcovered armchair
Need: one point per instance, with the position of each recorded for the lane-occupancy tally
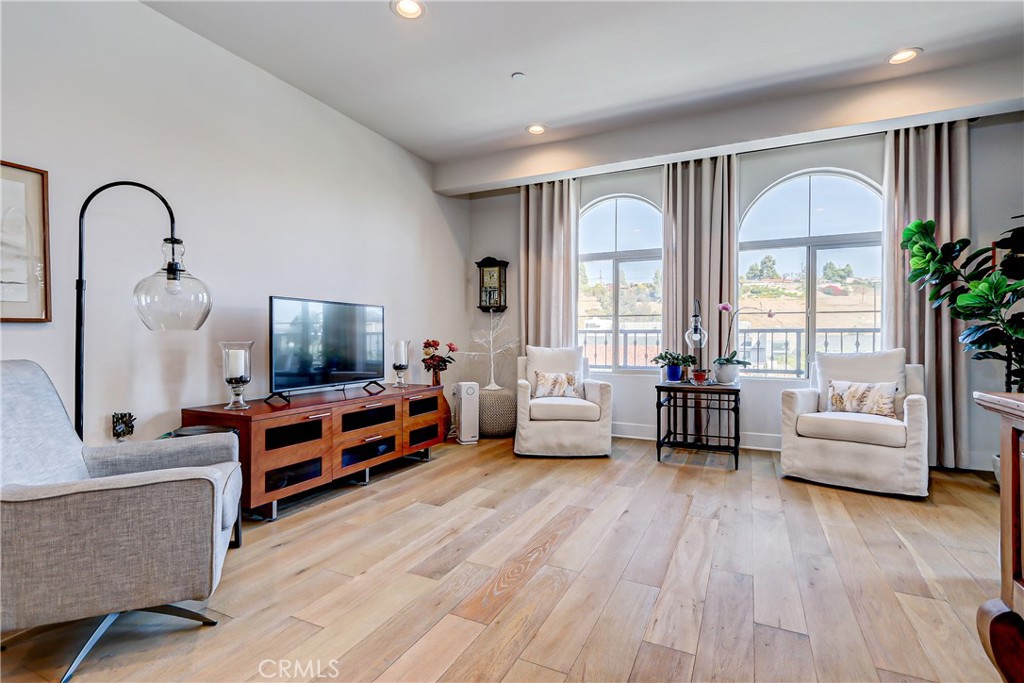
(562, 425)
(868, 452)
(90, 532)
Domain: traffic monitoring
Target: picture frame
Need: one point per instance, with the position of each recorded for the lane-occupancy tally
(24, 244)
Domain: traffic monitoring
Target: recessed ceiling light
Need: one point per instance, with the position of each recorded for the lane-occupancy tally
(518, 76)
(905, 55)
(407, 9)
(535, 129)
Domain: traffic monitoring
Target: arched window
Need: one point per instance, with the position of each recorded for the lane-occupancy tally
(810, 271)
(619, 283)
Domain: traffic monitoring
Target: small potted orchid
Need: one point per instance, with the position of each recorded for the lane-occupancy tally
(434, 361)
(727, 365)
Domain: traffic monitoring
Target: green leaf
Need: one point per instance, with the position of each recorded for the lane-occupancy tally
(975, 332)
(989, 355)
(1015, 325)
(975, 255)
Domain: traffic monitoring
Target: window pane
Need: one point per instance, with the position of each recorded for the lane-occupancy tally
(843, 205)
(772, 333)
(594, 311)
(848, 300)
(639, 312)
(597, 229)
(779, 213)
(638, 226)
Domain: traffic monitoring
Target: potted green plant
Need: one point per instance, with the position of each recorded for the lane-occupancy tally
(976, 289)
(673, 362)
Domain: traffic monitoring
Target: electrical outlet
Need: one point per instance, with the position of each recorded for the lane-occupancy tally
(122, 425)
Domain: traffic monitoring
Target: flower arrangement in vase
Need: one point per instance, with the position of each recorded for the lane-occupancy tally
(434, 361)
(727, 365)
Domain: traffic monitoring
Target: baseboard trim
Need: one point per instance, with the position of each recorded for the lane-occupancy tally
(761, 442)
(634, 430)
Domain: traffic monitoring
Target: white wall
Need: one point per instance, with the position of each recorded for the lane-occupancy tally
(989, 87)
(274, 192)
(997, 181)
(495, 222)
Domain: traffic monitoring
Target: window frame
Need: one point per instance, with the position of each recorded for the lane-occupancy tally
(616, 258)
(812, 245)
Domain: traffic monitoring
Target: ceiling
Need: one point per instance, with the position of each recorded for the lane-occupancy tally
(440, 86)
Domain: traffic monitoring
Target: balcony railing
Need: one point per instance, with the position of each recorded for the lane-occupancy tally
(779, 351)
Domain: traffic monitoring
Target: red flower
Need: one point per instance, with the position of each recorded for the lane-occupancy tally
(452, 347)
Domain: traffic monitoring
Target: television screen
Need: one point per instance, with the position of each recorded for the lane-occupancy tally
(324, 343)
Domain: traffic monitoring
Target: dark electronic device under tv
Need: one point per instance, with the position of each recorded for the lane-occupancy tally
(317, 344)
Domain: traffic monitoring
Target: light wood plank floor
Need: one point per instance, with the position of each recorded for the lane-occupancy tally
(479, 566)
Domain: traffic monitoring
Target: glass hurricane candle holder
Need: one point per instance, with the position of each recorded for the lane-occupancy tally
(237, 371)
(400, 362)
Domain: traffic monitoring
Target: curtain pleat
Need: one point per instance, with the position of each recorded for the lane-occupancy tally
(927, 177)
(547, 257)
(700, 248)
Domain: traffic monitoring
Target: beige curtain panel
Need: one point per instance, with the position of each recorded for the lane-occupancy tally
(547, 257)
(700, 248)
(926, 177)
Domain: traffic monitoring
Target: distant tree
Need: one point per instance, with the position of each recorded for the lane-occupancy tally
(657, 280)
(768, 268)
(584, 280)
(830, 272)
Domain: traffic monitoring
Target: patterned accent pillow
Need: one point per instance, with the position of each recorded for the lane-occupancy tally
(878, 398)
(556, 384)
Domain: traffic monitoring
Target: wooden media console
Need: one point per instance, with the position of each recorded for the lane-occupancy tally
(320, 437)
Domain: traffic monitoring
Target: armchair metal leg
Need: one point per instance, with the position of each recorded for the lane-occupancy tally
(175, 611)
(170, 610)
(96, 635)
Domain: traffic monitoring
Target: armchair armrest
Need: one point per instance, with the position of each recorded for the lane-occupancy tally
(522, 401)
(600, 393)
(796, 402)
(915, 418)
(147, 456)
(108, 544)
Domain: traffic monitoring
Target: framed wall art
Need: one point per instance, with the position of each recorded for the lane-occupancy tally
(24, 245)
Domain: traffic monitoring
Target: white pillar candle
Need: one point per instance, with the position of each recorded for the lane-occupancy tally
(236, 363)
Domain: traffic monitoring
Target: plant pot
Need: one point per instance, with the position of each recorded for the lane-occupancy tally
(997, 469)
(700, 376)
(673, 373)
(727, 374)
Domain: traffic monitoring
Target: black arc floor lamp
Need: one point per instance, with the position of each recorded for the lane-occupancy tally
(169, 299)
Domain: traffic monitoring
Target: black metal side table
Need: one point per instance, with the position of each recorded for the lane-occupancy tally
(697, 417)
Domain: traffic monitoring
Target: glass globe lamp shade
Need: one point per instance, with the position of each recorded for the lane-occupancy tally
(171, 298)
(696, 337)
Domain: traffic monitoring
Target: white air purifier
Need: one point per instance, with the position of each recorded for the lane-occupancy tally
(467, 412)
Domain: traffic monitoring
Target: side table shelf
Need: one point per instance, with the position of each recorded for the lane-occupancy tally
(325, 436)
(699, 417)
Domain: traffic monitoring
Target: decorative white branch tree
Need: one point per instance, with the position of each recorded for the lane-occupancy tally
(491, 340)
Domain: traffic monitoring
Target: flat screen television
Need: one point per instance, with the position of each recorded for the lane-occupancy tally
(324, 344)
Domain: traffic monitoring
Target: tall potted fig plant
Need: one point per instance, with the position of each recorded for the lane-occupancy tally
(979, 288)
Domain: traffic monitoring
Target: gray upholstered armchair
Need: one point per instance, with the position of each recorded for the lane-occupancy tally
(90, 532)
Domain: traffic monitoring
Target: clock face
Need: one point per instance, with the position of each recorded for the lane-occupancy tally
(490, 277)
